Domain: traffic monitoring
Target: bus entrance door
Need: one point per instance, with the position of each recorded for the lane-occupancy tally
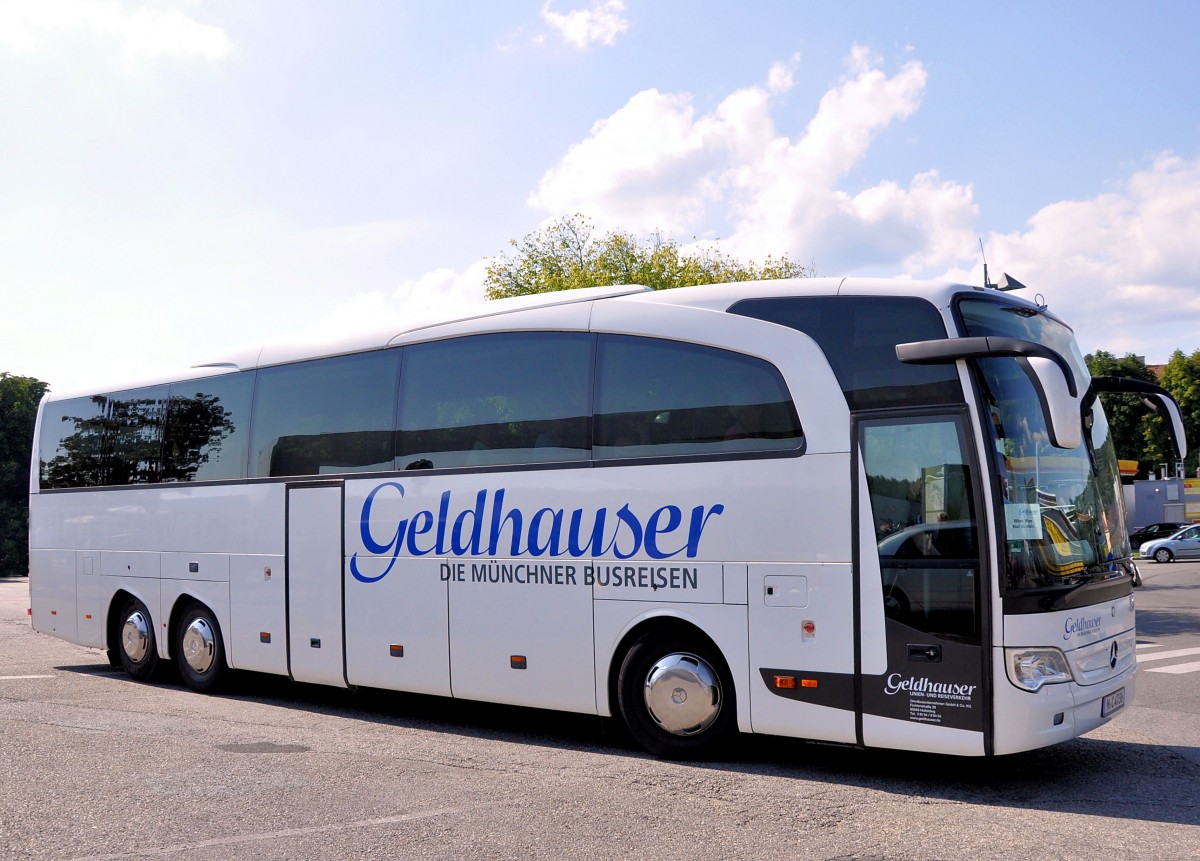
(314, 583)
(922, 680)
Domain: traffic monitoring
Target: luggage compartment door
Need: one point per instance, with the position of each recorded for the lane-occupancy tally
(315, 591)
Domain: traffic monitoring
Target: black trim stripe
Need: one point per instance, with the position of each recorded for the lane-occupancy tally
(833, 690)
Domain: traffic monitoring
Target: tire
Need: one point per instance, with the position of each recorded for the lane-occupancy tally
(136, 645)
(1162, 554)
(199, 650)
(675, 694)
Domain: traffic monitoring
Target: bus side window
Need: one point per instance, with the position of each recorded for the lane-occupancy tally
(104, 440)
(657, 397)
(858, 335)
(503, 398)
(326, 416)
(205, 438)
(71, 443)
(134, 436)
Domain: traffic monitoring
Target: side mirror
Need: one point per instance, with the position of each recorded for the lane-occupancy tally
(1048, 371)
(1156, 399)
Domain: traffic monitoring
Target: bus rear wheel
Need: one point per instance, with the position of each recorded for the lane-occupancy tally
(136, 646)
(199, 649)
(675, 695)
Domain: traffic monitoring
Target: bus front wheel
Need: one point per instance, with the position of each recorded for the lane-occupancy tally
(675, 695)
(199, 649)
(136, 647)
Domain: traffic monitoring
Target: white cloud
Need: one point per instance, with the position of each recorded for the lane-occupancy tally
(781, 78)
(655, 164)
(140, 32)
(440, 292)
(89, 298)
(112, 344)
(600, 24)
(1121, 267)
(435, 295)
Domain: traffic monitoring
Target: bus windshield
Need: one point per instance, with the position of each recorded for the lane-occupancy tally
(1063, 517)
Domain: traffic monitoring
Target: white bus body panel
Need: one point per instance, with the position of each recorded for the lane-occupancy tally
(314, 575)
(52, 593)
(549, 625)
(407, 609)
(256, 638)
(783, 599)
(873, 641)
(90, 602)
(242, 518)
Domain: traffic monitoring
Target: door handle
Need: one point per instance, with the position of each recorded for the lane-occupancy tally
(924, 653)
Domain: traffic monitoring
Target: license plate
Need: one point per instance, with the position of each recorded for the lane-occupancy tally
(1112, 703)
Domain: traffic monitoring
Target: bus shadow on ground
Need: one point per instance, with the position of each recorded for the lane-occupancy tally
(1093, 777)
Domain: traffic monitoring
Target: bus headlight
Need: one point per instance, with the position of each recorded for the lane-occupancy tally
(1029, 669)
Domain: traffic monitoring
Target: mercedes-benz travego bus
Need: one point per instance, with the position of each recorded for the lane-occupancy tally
(878, 513)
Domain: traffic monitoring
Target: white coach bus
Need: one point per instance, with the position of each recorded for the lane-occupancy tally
(878, 513)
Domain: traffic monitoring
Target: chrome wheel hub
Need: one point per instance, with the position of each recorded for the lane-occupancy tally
(683, 694)
(199, 645)
(135, 636)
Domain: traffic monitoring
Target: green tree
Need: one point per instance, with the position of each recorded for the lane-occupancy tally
(567, 255)
(19, 398)
(1181, 377)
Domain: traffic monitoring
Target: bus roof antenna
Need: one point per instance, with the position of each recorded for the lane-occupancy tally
(983, 254)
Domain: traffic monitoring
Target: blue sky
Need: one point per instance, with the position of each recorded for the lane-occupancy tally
(181, 177)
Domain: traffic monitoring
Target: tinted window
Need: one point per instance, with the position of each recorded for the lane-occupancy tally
(207, 429)
(327, 416)
(923, 510)
(518, 397)
(133, 446)
(71, 442)
(858, 335)
(658, 397)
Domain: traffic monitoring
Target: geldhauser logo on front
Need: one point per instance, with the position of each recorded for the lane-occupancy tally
(1081, 626)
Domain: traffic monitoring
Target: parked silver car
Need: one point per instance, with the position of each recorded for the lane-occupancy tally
(1184, 544)
(1153, 532)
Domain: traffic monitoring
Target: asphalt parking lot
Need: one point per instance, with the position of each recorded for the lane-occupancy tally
(96, 766)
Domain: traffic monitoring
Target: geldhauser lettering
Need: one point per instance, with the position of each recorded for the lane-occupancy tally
(488, 527)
